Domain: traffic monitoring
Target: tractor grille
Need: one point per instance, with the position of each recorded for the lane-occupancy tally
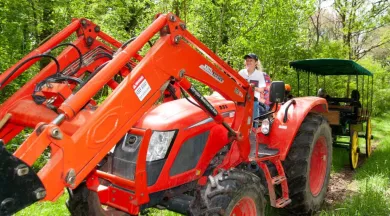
(125, 159)
(125, 156)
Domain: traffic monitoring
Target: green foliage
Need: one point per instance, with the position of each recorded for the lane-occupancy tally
(278, 31)
(381, 87)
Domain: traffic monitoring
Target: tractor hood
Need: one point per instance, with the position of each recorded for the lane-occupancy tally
(181, 114)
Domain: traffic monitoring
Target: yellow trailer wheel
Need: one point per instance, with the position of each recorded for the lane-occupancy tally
(354, 150)
(368, 137)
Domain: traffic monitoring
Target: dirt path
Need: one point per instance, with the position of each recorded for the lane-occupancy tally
(341, 184)
(340, 187)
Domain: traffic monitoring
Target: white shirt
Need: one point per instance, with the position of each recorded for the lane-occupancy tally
(257, 78)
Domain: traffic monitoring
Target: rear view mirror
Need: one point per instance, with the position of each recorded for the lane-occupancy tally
(277, 90)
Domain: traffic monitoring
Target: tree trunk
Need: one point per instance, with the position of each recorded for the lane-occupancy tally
(47, 30)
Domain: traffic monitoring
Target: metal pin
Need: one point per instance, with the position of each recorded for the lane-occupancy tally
(172, 18)
(83, 22)
(22, 170)
(183, 26)
(70, 177)
(181, 73)
(56, 134)
(60, 118)
(40, 193)
(177, 39)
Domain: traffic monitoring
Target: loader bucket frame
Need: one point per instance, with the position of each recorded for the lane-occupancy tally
(80, 135)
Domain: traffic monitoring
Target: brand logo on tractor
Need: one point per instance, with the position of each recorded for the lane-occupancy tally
(238, 92)
(283, 127)
(204, 101)
(212, 73)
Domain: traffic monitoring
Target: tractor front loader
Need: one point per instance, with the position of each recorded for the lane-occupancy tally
(143, 146)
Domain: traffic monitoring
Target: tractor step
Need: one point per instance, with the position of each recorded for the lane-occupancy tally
(278, 179)
(264, 151)
(282, 202)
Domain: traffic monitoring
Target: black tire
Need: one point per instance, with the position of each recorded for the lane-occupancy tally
(298, 162)
(225, 190)
(83, 202)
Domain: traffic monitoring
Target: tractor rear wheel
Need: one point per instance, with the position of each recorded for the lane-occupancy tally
(84, 202)
(308, 165)
(229, 193)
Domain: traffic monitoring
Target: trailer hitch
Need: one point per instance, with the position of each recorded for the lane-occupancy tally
(20, 186)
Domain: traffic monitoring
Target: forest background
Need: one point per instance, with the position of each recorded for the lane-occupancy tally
(278, 31)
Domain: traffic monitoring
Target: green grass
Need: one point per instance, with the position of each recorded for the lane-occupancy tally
(59, 209)
(340, 159)
(372, 179)
(46, 208)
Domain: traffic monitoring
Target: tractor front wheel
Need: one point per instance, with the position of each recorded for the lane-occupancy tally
(232, 192)
(308, 165)
(84, 202)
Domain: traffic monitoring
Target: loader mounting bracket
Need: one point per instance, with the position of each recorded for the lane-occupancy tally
(20, 185)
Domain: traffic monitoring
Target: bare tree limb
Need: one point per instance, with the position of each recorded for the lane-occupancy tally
(362, 54)
(363, 31)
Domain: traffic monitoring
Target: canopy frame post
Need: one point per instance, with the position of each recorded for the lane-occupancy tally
(372, 90)
(363, 105)
(308, 83)
(357, 82)
(368, 91)
(298, 81)
(324, 85)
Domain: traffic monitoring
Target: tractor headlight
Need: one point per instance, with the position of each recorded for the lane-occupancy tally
(265, 125)
(159, 144)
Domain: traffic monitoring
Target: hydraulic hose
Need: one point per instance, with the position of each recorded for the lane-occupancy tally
(29, 59)
(78, 51)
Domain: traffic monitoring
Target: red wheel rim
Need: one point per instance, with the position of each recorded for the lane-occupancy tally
(245, 207)
(318, 165)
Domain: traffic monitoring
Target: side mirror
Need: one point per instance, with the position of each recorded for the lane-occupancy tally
(276, 93)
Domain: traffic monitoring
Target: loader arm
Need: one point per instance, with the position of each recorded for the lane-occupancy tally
(75, 153)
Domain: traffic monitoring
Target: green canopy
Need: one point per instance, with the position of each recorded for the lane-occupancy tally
(327, 67)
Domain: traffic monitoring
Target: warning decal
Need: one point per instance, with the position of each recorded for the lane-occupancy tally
(141, 88)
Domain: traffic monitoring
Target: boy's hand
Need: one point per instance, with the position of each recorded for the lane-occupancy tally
(261, 90)
(262, 100)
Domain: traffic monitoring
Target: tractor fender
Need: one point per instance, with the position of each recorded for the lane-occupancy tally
(282, 134)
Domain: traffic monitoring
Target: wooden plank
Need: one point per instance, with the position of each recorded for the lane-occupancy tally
(333, 117)
(338, 107)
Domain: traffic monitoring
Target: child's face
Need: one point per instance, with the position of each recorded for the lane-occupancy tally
(250, 64)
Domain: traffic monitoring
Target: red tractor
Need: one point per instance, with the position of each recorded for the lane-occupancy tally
(196, 156)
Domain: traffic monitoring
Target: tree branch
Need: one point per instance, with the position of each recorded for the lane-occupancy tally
(362, 54)
(369, 30)
(256, 23)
